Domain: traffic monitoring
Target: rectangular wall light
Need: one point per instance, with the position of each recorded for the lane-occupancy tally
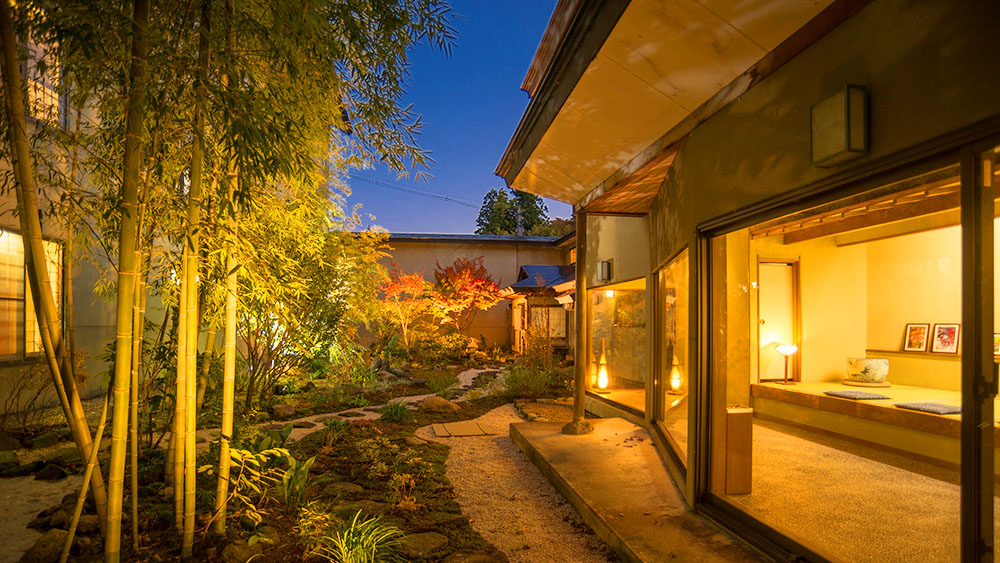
(603, 271)
(838, 127)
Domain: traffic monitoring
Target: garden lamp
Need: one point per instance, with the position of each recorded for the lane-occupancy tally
(787, 350)
(675, 378)
(602, 371)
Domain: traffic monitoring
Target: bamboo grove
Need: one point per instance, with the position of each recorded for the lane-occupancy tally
(198, 160)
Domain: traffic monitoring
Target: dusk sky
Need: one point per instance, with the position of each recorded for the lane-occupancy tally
(471, 103)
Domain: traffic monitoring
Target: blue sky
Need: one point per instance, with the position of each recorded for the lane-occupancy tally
(471, 103)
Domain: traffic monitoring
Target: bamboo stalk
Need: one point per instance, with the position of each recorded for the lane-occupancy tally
(194, 220)
(206, 366)
(229, 338)
(137, 335)
(82, 497)
(126, 276)
(180, 400)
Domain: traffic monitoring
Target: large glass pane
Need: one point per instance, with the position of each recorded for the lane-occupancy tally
(619, 362)
(672, 302)
(836, 372)
(12, 286)
(53, 263)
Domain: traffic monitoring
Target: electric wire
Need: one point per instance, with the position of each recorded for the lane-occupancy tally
(414, 191)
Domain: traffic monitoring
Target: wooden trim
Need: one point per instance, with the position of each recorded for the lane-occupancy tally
(915, 420)
(862, 442)
(978, 387)
(590, 26)
(615, 404)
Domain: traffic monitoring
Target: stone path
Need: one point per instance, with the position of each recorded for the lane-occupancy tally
(509, 502)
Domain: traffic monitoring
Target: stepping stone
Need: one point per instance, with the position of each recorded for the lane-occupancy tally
(459, 429)
(351, 414)
(304, 424)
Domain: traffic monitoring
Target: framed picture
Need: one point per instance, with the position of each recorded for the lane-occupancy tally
(996, 344)
(945, 338)
(915, 339)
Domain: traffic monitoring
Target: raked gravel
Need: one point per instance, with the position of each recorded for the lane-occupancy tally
(509, 502)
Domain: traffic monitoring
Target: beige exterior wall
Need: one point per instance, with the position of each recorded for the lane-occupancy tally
(502, 261)
(94, 317)
(622, 240)
(758, 146)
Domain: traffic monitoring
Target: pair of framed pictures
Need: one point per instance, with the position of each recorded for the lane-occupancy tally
(943, 339)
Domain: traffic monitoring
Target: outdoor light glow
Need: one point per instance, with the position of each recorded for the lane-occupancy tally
(675, 378)
(609, 293)
(602, 377)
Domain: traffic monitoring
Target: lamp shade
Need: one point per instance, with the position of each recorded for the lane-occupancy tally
(839, 127)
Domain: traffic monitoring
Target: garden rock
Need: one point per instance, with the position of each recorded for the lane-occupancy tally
(351, 414)
(419, 546)
(414, 441)
(308, 387)
(8, 459)
(283, 410)
(62, 517)
(88, 525)
(47, 548)
(45, 440)
(64, 456)
(8, 442)
(367, 507)
(23, 469)
(437, 404)
(41, 521)
(472, 557)
(51, 472)
(441, 518)
(269, 535)
(240, 552)
(344, 488)
(304, 424)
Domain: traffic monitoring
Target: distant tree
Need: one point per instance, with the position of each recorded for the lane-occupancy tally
(510, 212)
(463, 289)
(555, 227)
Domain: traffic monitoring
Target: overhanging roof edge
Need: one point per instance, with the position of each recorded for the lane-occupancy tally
(590, 27)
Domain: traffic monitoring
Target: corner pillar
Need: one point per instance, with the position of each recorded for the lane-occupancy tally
(581, 363)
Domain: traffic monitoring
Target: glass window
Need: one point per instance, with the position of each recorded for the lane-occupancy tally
(19, 332)
(619, 362)
(830, 327)
(672, 302)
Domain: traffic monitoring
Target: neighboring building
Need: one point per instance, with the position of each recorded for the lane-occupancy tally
(542, 299)
(22, 362)
(763, 191)
(503, 256)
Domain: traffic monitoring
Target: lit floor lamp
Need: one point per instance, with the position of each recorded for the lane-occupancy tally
(787, 350)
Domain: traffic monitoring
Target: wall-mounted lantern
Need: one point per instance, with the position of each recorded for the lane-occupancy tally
(604, 271)
(838, 127)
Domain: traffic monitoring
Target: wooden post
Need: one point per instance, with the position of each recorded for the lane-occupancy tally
(582, 353)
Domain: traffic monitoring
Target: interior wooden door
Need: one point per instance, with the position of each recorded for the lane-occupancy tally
(776, 294)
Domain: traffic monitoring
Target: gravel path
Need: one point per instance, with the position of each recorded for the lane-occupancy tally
(510, 503)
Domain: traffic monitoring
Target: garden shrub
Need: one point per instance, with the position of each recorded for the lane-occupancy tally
(361, 541)
(525, 381)
(441, 348)
(532, 375)
(441, 381)
(396, 411)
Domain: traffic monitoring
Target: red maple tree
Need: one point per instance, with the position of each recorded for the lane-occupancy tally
(463, 289)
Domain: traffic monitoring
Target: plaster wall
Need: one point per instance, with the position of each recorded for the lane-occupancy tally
(502, 261)
(931, 66)
(94, 317)
(624, 241)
